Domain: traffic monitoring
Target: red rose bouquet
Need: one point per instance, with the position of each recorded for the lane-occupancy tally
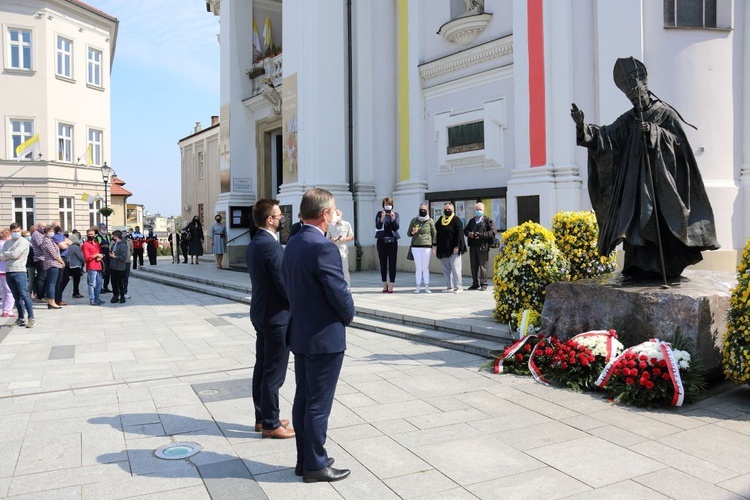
(515, 357)
(651, 374)
(577, 362)
(542, 357)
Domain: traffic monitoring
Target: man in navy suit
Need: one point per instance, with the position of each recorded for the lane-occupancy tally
(321, 308)
(269, 313)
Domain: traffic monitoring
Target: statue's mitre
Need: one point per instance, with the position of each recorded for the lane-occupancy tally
(628, 71)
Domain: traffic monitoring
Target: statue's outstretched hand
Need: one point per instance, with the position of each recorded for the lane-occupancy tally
(577, 115)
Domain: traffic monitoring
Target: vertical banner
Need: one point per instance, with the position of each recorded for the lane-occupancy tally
(290, 150)
(225, 172)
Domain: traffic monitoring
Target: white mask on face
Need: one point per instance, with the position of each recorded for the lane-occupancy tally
(388, 207)
(336, 218)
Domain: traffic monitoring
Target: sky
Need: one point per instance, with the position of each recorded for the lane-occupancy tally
(165, 77)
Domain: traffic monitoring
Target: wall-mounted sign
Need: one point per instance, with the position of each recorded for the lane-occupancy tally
(242, 184)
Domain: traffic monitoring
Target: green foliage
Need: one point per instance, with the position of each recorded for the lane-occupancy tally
(529, 262)
(576, 235)
(736, 346)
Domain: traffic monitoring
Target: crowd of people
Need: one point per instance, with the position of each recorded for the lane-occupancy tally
(446, 238)
(37, 265)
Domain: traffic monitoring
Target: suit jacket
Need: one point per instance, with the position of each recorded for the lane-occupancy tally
(269, 305)
(320, 302)
(485, 229)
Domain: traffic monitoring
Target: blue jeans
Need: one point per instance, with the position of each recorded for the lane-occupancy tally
(19, 287)
(52, 274)
(94, 279)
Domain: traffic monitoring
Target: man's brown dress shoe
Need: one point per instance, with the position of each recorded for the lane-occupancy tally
(280, 432)
(259, 426)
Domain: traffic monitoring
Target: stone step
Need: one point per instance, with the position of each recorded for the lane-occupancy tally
(194, 279)
(195, 285)
(476, 336)
(481, 347)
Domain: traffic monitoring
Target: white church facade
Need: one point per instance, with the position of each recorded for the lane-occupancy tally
(466, 100)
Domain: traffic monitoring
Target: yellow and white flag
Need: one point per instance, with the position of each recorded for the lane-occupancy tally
(256, 38)
(267, 32)
(86, 157)
(26, 147)
(87, 198)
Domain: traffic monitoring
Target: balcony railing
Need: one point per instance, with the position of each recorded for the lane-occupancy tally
(273, 72)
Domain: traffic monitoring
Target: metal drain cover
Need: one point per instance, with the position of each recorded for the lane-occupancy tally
(177, 451)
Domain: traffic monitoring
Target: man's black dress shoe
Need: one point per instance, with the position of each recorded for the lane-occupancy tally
(474, 287)
(298, 467)
(328, 474)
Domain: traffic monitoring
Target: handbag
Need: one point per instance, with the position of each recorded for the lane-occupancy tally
(409, 255)
(389, 239)
(495, 243)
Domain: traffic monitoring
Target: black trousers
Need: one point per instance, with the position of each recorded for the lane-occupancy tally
(387, 255)
(316, 376)
(105, 269)
(478, 260)
(151, 255)
(126, 278)
(118, 286)
(184, 253)
(39, 279)
(137, 257)
(60, 284)
(75, 274)
(271, 360)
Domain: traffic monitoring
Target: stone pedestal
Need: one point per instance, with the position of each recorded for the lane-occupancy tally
(696, 305)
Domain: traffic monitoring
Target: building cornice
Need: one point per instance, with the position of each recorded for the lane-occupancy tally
(469, 57)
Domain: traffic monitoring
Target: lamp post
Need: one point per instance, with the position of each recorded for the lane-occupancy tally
(106, 172)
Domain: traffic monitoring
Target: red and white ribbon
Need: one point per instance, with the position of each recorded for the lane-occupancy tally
(509, 352)
(674, 372)
(535, 371)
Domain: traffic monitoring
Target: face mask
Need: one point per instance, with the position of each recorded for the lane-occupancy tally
(478, 213)
(388, 208)
(15, 236)
(50, 234)
(218, 220)
(336, 218)
(90, 238)
(28, 238)
(448, 213)
(102, 232)
(423, 212)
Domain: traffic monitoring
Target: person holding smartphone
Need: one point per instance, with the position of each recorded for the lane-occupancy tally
(386, 235)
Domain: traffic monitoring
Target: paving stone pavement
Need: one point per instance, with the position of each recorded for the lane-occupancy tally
(89, 394)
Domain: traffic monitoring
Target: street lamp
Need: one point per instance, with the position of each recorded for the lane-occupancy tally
(106, 172)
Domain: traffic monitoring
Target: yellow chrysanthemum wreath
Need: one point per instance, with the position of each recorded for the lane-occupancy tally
(528, 263)
(736, 347)
(576, 235)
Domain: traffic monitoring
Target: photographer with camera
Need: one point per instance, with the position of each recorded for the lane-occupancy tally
(480, 232)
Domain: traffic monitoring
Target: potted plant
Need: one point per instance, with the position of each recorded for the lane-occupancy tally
(106, 211)
(256, 71)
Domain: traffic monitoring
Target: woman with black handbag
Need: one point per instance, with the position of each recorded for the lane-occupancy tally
(423, 240)
(386, 236)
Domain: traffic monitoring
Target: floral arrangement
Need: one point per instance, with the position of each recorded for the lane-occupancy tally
(106, 211)
(529, 262)
(577, 362)
(652, 373)
(736, 346)
(576, 235)
(542, 357)
(256, 71)
(515, 357)
(534, 320)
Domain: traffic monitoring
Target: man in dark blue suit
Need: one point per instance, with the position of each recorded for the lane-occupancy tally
(321, 308)
(269, 313)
